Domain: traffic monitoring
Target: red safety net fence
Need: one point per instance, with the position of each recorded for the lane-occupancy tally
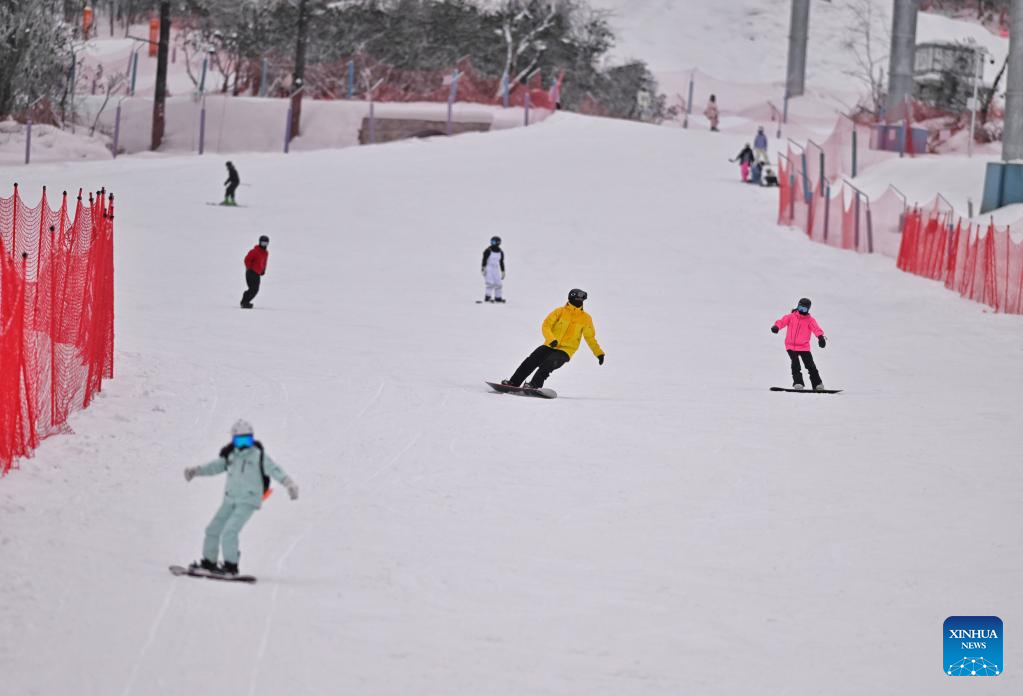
(980, 262)
(56, 315)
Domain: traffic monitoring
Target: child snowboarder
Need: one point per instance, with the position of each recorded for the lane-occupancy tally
(799, 326)
(249, 470)
(745, 159)
(493, 271)
(563, 329)
(255, 268)
(232, 185)
(767, 175)
(711, 112)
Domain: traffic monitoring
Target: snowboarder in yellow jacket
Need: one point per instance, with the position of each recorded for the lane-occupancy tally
(563, 330)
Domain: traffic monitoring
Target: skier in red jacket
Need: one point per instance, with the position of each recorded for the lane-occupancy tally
(255, 268)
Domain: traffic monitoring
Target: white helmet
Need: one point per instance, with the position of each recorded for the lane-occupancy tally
(241, 427)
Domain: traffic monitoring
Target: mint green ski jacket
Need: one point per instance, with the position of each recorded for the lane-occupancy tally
(244, 480)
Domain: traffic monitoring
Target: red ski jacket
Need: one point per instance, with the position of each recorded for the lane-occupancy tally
(256, 259)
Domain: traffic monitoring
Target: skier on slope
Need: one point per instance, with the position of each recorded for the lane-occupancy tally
(493, 271)
(231, 183)
(745, 159)
(712, 113)
(799, 326)
(563, 329)
(255, 269)
(760, 145)
(249, 470)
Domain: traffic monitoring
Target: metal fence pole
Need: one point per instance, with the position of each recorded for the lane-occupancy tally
(117, 127)
(505, 95)
(526, 117)
(287, 130)
(202, 126)
(134, 71)
(689, 103)
(262, 77)
(857, 205)
(870, 231)
(827, 210)
(854, 149)
(28, 140)
(372, 122)
(351, 78)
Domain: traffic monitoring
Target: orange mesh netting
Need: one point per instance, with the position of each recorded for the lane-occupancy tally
(56, 315)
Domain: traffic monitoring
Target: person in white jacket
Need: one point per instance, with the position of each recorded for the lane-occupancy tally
(493, 271)
(249, 470)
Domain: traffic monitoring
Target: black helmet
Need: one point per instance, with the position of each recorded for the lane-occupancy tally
(803, 302)
(495, 241)
(577, 294)
(264, 238)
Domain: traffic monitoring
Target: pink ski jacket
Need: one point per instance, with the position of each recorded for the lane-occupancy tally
(798, 328)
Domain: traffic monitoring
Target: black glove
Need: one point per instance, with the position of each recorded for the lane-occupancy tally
(554, 343)
(820, 341)
(774, 329)
(600, 359)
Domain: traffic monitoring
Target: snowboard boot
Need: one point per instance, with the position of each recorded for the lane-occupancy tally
(530, 385)
(508, 383)
(246, 305)
(818, 387)
(207, 565)
(230, 568)
(488, 298)
(797, 385)
(499, 299)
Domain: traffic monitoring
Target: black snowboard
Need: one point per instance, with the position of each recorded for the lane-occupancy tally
(806, 391)
(201, 573)
(225, 205)
(544, 393)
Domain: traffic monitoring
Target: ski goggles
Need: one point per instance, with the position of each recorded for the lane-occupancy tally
(803, 309)
(243, 441)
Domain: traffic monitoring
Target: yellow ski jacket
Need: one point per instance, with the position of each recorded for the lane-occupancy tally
(568, 325)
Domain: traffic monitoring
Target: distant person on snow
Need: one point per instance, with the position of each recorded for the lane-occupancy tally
(563, 329)
(767, 175)
(799, 326)
(232, 185)
(745, 159)
(493, 271)
(249, 470)
(711, 112)
(255, 269)
(760, 145)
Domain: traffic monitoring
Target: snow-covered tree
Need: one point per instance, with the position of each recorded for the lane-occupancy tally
(35, 54)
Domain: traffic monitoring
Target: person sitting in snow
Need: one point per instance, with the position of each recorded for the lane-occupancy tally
(249, 470)
(767, 175)
(563, 330)
(745, 159)
(493, 271)
(711, 112)
(799, 326)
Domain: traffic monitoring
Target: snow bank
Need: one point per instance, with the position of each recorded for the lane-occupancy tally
(49, 144)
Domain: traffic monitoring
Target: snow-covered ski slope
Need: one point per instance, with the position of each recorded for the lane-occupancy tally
(666, 526)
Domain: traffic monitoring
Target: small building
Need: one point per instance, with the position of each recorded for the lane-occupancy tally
(943, 76)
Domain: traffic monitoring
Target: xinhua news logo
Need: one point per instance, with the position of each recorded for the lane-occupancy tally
(973, 646)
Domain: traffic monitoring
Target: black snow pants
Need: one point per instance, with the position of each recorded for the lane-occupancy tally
(797, 374)
(252, 280)
(544, 360)
(232, 186)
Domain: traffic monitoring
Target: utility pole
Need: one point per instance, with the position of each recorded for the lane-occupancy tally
(160, 97)
(799, 27)
(298, 80)
(1012, 136)
(903, 55)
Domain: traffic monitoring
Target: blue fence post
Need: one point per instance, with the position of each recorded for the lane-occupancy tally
(807, 193)
(202, 126)
(505, 97)
(785, 108)
(526, 115)
(287, 130)
(117, 127)
(202, 78)
(262, 77)
(857, 205)
(28, 140)
(351, 78)
(689, 103)
(134, 71)
(821, 182)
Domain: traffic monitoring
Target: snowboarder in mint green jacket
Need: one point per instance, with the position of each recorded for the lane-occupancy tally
(249, 470)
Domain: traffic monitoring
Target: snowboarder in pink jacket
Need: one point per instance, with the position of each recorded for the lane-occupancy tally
(799, 326)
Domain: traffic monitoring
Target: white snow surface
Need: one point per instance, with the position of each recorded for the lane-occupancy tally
(666, 526)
